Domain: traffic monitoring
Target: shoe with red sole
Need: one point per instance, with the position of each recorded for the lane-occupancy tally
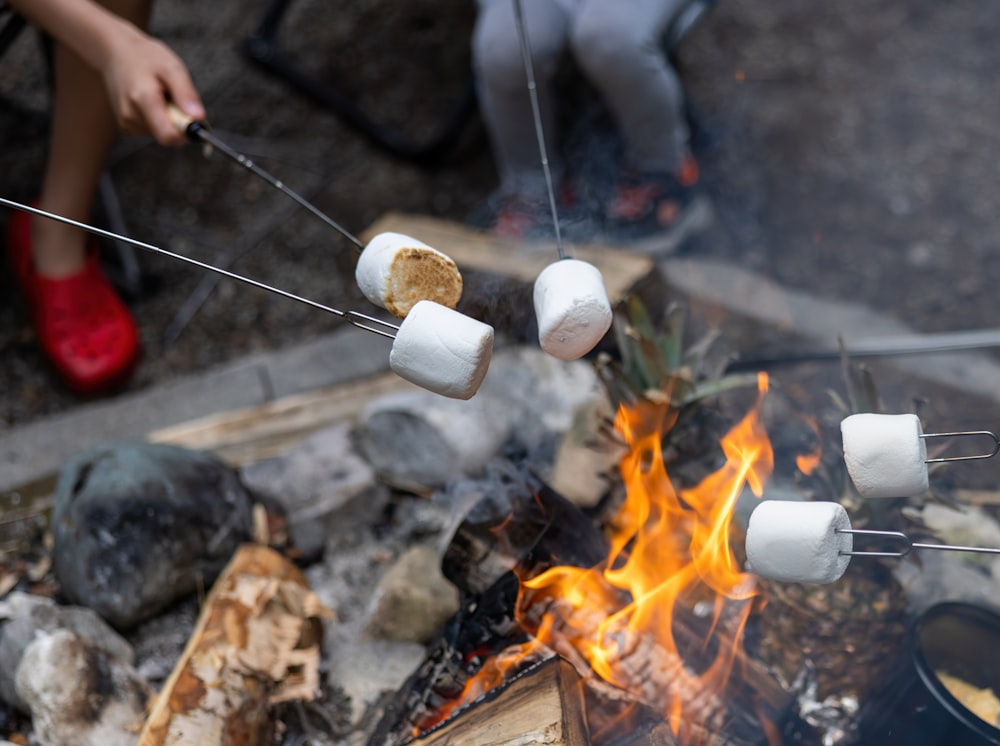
(83, 327)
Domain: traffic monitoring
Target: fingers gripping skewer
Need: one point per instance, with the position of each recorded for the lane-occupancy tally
(434, 347)
(200, 132)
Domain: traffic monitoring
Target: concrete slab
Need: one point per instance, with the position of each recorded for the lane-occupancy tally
(37, 450)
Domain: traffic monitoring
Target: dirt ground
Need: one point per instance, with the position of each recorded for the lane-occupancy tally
(849, 149)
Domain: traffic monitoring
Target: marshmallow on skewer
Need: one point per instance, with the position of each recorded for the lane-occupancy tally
(798, 541)
(442, 350)
(395, 272)
(885, 454)
(572, 308)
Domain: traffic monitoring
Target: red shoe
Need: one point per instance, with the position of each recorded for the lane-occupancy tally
(83, 327)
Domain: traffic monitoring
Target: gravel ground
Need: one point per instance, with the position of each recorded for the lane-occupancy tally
(848, 148)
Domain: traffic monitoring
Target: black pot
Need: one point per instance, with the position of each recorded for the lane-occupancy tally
(915, 708)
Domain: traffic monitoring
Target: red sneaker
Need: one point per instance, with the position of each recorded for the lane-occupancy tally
(83, 327)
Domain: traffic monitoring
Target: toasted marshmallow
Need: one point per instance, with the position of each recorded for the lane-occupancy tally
(395, 272)
(442, 350)
(798, 541)
(885, 454)
(572, 308)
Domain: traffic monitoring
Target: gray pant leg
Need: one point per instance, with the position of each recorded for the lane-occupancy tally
(503, 88)
(618, 45)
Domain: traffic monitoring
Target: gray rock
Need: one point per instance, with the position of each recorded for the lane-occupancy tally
(136, 526)
(541, 394)
(78, 695)
(370, 670)
(413, 599)
(422, 440)
(314, 483)
(24, 617)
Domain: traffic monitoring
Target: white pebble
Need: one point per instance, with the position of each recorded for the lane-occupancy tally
(885, 454)
(798, 541)
(572, 308)
(395, 272)
(442, 350)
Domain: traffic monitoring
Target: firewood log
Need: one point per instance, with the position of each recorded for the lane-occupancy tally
(542, 706)
(256, 643)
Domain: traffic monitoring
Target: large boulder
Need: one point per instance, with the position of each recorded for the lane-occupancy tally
(138, 525)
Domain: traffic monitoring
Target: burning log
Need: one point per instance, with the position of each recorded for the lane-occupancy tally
(256, 643)
(534, 529)
(544, 705)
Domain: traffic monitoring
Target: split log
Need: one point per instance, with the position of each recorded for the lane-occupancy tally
(256, 643)
(543, 706)
(483, 252)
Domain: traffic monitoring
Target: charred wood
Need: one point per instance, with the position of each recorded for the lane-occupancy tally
(527, 524)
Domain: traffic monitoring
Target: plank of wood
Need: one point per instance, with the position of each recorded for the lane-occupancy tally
(253, 434)
(256, 642)
(477, 250)
(543, 707)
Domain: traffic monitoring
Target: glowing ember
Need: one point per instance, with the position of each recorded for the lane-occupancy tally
(669, 550)
(807, 462)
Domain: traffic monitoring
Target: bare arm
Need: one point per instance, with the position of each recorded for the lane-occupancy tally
(141, 74)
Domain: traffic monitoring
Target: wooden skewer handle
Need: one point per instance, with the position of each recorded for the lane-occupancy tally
(185, 123)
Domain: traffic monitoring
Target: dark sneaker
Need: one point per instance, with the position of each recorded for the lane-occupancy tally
(656, 212)
(514, 217)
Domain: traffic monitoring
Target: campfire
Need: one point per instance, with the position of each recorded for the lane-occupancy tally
(654, 627)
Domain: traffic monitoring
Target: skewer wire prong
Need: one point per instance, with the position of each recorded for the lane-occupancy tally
(975, 433)
(908, 545)
(351, 316)
(201, 131)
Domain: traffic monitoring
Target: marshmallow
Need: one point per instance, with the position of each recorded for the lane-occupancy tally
(395, 272)
(572, 309)
(798, 541)
(442, 350)
(885, 454)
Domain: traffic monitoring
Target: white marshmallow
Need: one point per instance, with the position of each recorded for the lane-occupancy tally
(885, 454)
(442, 350)
(798, 541)
(395, 272)
(572, 308)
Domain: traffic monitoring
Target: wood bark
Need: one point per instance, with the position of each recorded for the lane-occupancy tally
(256, 643)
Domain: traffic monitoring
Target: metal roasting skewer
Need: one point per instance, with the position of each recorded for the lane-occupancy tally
(908, 545)
(522, 34)
(200, 132)
(981, 433)
(355, 318)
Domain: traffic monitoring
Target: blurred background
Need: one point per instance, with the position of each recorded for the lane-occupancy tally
(850, 151)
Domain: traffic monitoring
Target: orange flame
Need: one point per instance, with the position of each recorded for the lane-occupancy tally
(807, 462)
(669, 555)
